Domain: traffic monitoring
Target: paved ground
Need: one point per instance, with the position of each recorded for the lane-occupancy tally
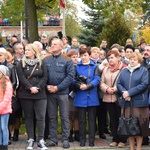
(99, 144)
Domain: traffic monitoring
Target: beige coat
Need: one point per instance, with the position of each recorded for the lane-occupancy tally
(107, 80)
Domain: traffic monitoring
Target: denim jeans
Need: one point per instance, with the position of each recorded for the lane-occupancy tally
(4, 133)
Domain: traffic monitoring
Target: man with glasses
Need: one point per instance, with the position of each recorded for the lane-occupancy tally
(146, 63)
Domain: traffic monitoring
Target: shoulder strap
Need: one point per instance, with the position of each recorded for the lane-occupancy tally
(116, 77)
(32, 72)
(123, 110)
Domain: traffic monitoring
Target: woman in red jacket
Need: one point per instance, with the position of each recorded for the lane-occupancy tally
(6, 91)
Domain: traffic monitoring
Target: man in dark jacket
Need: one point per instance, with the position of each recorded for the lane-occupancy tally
(60, 75)
(12, 42)
(146, 63)
(103, 46)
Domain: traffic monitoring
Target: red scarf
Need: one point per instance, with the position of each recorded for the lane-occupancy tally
(114, 68)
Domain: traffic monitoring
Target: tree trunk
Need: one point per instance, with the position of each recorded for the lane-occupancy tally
(32, 21)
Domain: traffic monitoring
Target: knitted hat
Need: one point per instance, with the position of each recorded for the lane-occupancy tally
(3, 69)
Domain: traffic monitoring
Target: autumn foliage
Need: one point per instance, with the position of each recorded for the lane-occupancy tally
(145, 33)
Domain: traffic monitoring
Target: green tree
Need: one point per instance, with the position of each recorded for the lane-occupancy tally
(146, 18)
(116, 30)
(92, 26)
(72, 25)
(14, 11)
(88, 1)
(109, 8)
(145, 4)
(120, 6)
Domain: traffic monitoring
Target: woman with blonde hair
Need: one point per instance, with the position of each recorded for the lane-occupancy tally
(13, 78)
(132, 85)
(32, 75)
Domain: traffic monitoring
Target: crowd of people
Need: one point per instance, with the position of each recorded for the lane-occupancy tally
(52, 75)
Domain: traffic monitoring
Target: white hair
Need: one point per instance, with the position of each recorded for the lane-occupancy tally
(3, 50)
(38, 44)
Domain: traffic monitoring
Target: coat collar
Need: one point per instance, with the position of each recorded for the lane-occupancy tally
(91, 63)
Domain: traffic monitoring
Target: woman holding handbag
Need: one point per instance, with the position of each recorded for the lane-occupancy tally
(32, 75)
(86, 97)
(132, 85)
(108, 87)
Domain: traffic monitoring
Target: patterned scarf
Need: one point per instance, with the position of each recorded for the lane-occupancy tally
(31, 62)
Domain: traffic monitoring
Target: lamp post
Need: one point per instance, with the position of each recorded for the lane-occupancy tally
(26, 19)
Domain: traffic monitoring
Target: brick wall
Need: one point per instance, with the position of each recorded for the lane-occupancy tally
(49, 30)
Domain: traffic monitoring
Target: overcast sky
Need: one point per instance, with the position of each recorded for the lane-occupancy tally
(79, 4)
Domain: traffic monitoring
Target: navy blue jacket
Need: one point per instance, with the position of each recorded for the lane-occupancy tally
(136, 84)
(148, 68)
(60, 72)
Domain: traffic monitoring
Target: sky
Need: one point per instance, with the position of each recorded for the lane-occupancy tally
(79, 4)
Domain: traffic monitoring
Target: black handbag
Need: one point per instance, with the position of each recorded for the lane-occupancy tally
(15, 104)
(128, 126)
(80, 80)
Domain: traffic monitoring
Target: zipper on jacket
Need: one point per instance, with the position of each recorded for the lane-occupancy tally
(130, 80)
(88, 80)
(143, 96)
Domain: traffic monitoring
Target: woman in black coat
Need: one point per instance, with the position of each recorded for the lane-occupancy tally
(32, 76)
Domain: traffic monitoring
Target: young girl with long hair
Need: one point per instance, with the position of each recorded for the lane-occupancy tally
(6, 91)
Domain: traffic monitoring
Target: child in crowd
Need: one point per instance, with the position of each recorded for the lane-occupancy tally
(6, 91)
